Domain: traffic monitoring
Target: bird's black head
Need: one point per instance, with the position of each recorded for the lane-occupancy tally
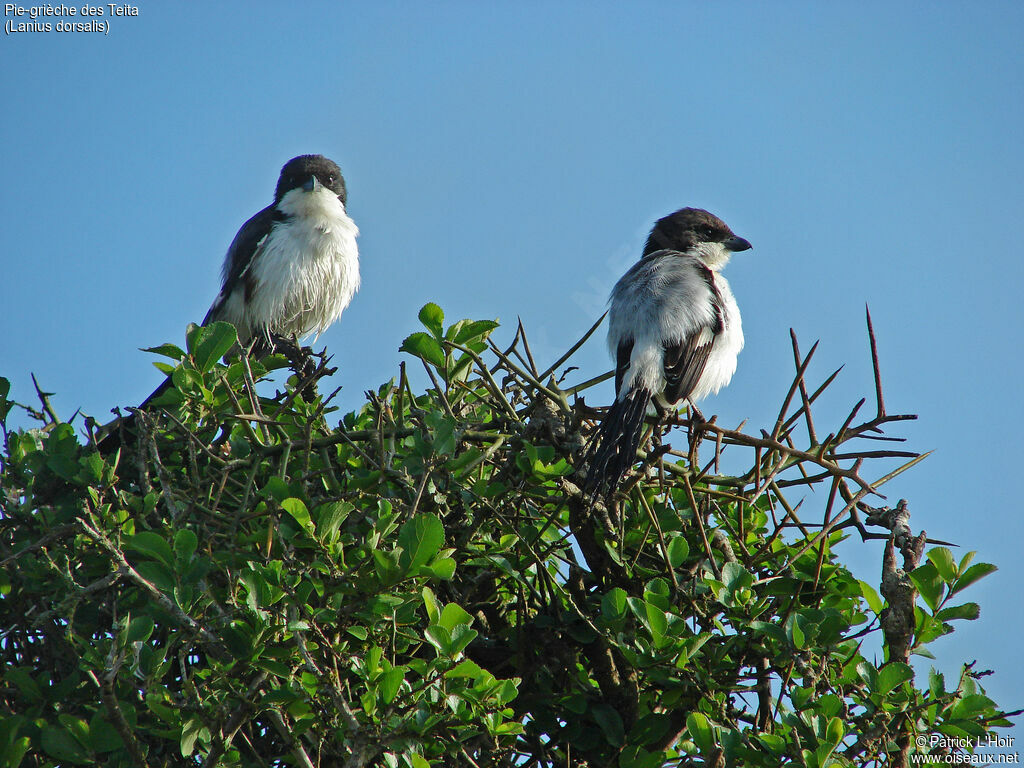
(300, 171)
(689, 227)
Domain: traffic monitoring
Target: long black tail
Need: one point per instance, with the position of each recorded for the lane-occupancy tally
(112, 434)
(613, 449)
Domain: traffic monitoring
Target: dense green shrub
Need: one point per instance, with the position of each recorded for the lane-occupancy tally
(249, 582)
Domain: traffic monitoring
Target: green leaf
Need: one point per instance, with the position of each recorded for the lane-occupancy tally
(892, 675)
(329, 518)
(390, 683)
(276, 668)
(834, 733)
(103, 737)
(171, 351)
(78, 728)
(701, 731)
(928, 582)
(442, 433)
(276, 488)
(210, 344)
(192, 730)
(506, 691)
(469, 332)
(440, 638)
(678, 550)
(432, 318)
(774, 631)
(943, 561)
(794, 632)
(969, 611)
(689, 647)
(18, 747)
(971, 575)
(185, 544)
(735, 576)
(420, 539)
(867, 673)
(139, 630)
(172, 397)
(613, 604)
(443, 568)
(657, 591)
(186, 380)
(871, 596)
(297, 509)
(652, 617)
(468, 668)
(453, 615)
(775, 744)
(5, 408)
(972, 705)
(461, 636)
(611, 724)
(387, 566)
(425, 347)
(91, 469)
(431, 604)
(61, 744)
(152, 545)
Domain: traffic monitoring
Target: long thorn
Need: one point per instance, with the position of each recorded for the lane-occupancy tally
(874, 364)
(801, 369)
(573, 348)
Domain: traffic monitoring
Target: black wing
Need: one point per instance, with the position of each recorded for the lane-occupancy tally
(622, 363)
(684, 362)
(240, 255)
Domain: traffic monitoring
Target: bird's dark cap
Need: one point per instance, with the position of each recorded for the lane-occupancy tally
(299, 170)
(682, 230)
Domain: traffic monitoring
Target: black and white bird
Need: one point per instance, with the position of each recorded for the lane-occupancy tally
(674, 330)
(291, 270)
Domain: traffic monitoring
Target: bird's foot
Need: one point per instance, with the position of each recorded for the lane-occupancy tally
(697, 422)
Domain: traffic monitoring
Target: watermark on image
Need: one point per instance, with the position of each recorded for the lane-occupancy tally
(954, 750)
(28, 19)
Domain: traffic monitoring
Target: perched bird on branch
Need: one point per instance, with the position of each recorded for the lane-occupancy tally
(293, 267)
(291, 270)
(674, 331)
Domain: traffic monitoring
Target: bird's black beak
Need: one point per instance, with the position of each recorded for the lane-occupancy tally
(737, 244)
(313, 183)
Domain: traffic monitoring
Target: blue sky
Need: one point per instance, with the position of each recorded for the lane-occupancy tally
(507, 161)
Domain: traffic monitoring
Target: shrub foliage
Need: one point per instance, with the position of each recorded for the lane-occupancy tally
(250, 582)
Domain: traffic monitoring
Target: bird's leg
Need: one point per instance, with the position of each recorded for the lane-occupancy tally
(697, 422)
(300, 359)
(662, 427)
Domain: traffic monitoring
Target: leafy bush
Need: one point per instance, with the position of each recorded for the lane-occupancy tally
(244, 584)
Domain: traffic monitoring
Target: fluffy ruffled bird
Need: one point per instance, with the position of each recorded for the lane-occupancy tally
(674, 331)
(291, 270)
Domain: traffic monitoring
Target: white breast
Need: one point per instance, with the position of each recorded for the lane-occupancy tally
(662, 300)
(307, 271)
